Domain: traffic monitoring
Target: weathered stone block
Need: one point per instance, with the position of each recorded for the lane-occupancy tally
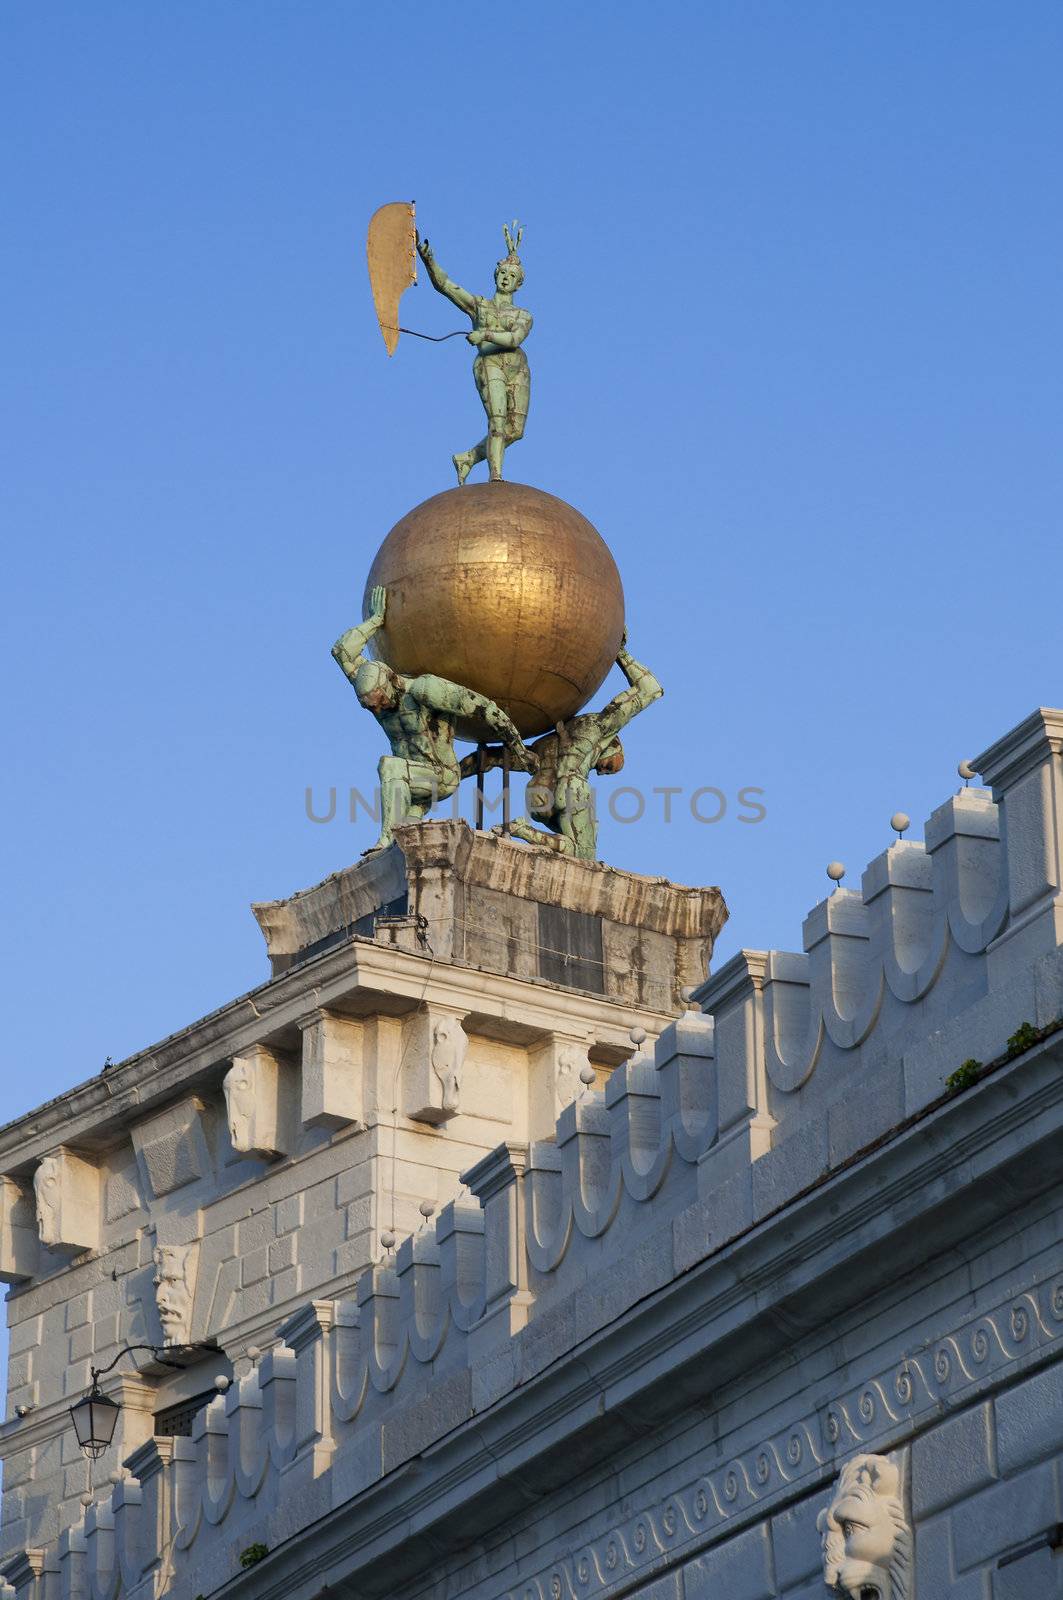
(790, 1167)
(952, 1461)
(862, 1114)
(739, 1569)
(986, 1525)
(1039, 1574)
(1030, 1420)
(796, 1543)
(333, 1086)
(171, 1147)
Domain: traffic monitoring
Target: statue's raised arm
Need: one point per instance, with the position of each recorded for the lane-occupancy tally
(500, 367)
(461, 297)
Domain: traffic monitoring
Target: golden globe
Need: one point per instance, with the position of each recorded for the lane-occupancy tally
(506, 590)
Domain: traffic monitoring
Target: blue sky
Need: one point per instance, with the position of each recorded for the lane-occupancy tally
(795, 277)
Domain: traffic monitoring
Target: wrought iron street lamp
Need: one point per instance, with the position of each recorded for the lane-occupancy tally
(95, 1416)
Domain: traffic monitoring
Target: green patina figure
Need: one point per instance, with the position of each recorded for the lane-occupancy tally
(559, 795)
(501, 367)
(418, 716)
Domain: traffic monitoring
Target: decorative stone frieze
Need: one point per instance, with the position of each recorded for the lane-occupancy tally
(171, 1147)
(258, 1091)
(332, 1091)
(67, 1193)
(865, 1534)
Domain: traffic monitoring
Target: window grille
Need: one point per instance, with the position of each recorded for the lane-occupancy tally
(176, 1421)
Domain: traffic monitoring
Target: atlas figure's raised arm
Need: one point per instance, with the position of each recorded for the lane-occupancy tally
(461, 297)
(349, 646)
(455, 701)
(628, 703)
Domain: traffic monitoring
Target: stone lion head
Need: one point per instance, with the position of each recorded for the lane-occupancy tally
(867, 1543)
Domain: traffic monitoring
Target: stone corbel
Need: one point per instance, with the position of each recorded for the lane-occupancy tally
(333, 1072)
(434, 1060)
(258, 1092)
(67, 1193)
(554, 1067)
(865, 1533)
(18, 1234)
(171, 1147)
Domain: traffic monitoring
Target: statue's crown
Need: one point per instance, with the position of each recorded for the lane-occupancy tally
(514, 234)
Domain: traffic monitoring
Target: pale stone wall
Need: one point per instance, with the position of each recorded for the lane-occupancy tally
(266, 1149)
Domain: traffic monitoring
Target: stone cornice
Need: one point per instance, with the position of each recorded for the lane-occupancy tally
(99, 1109)
(497, 1170)
(1022, 748)
(963, 1167)
(489, 862)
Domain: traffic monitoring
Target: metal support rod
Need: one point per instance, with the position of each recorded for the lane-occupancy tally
(505, 790)
(481, 773)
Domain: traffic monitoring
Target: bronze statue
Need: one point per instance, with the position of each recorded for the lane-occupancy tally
(501, 367)
(559, 795)
(418, 717)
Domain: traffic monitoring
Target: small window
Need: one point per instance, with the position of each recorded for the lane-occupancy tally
(176, 1421)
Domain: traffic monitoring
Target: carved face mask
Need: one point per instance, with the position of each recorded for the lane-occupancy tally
(866, 1541)
(173, 1296)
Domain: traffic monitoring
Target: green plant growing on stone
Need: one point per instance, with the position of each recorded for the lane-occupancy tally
(964, 1076)
(1024, 1038)
(253, 1555)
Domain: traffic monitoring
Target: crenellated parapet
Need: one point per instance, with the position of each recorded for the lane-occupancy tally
(950, 944)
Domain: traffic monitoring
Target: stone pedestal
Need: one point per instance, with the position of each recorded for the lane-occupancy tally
(481, 901)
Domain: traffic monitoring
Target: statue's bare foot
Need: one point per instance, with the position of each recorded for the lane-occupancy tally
(463, 464)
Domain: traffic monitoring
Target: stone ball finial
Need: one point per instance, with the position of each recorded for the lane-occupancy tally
(835, 871)
(900, 822)
(387, 1239)
(223, 1384)
(637, 1036)
(86, 1499)
(587, 1076)
(427, 1208)
(966, 771)
(686, 994)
